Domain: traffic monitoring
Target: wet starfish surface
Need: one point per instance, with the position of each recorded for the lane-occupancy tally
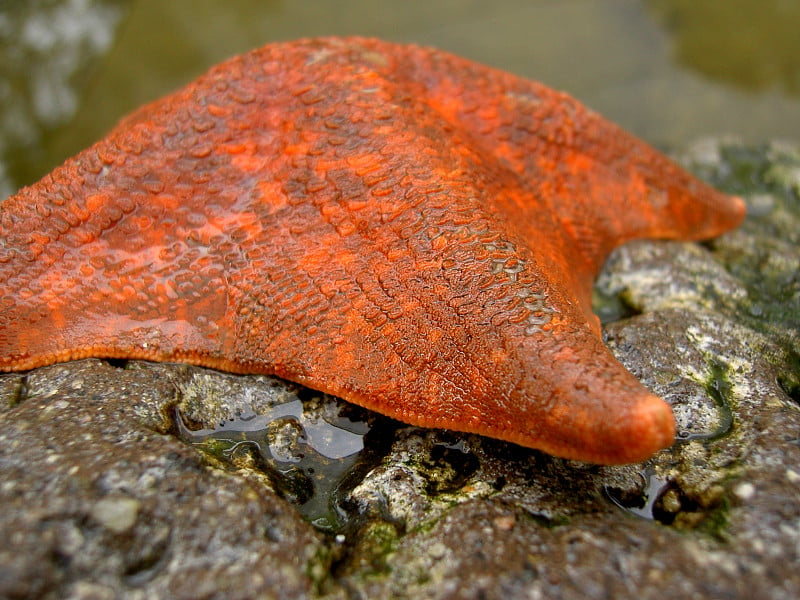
(394, 225)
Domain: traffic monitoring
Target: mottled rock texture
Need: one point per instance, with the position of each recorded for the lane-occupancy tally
(101, 500)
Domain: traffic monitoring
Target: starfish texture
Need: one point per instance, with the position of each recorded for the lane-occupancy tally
(394, 225)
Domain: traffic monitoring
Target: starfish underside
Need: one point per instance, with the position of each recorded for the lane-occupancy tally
(394, 225)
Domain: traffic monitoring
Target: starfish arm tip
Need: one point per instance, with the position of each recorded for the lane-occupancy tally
(739, 209)
(648, 428)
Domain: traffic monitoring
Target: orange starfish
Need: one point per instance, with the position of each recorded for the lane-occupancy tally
(405, 229)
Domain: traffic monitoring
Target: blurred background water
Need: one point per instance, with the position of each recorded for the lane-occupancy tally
(668, 70)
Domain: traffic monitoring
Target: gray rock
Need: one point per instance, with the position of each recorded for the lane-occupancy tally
(100, 500)
(130, 480)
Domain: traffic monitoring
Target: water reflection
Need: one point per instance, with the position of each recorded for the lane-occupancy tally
(307, 455)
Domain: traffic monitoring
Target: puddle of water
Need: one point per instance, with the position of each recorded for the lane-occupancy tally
(307, 457)
(645, 502)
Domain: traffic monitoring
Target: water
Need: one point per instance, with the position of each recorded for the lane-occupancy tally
(308, 451)
(668, 70)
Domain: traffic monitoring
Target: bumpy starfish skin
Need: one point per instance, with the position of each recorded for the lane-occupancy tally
(394, 225)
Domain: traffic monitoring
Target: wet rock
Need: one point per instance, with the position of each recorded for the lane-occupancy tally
(97, 494)
(132, 480)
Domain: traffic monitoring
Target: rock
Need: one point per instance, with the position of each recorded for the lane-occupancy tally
(96, 492)
(131, 480)
(117, 514)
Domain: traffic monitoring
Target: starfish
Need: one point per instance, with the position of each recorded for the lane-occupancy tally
(394, 225)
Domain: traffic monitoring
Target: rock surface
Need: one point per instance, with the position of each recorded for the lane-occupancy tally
(129, 480)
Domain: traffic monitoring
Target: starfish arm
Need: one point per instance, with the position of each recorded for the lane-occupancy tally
(604, 186)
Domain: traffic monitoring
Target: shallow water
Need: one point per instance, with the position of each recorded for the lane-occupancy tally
(306, 453)
(668, 70)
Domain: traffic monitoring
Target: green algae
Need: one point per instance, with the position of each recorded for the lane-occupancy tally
(764, 257)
